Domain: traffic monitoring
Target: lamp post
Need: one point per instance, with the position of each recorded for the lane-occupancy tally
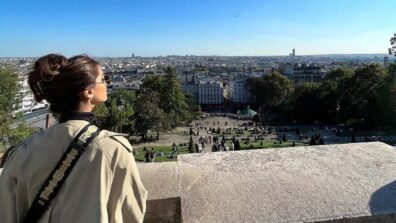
(120, 106)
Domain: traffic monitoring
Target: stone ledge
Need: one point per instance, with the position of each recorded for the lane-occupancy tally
(160, 179)
(329, 184)
(163, 201)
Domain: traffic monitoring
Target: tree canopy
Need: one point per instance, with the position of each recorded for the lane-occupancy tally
(12, 127)
(363, 98)
(109, 116)
(270, 90)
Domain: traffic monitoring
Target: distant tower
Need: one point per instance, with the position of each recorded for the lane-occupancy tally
(386, 61)
(133, 55)
(292, 55)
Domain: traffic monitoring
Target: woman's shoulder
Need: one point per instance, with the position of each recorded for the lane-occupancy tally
(110, 142)
(7, 154)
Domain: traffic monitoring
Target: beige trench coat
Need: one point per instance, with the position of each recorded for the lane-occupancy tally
(104, 185)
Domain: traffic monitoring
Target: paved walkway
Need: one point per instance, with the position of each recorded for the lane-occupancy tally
(214, 122)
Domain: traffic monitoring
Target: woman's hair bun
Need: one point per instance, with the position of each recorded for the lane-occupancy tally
(50, 65)
(60, 81)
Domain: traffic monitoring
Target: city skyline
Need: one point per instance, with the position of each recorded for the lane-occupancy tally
(224, 28)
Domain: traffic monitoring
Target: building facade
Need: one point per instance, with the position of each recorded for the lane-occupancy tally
(28, 103)
(307, 73)
(239, 92)
(300, 73)
(210, 92)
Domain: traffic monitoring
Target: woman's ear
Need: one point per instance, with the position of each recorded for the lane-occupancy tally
(88, 94)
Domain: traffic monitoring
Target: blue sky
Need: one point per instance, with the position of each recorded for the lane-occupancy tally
(196, 27)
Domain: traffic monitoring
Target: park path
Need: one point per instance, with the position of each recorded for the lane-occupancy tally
(213, 122)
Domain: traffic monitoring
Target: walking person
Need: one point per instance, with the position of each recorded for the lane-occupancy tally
(147, 157)
(152, 155)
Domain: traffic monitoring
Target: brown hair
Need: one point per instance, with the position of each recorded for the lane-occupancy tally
(60, 81)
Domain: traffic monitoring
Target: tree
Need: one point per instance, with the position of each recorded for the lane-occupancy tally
(385, 98)
(360, 105)
(339, 74)
(193, 107)
(255, 86)
(152, 83)
(109, 116)
(191, 145)
(270, 90)
(392, 49)
(12, 127)
(237, 145)
(277, 88)
(20, 132)
(178, 107)
(303, 104)
(8, 99)
(330, 93)
(328, 99)
(148, 115)
(173, 101)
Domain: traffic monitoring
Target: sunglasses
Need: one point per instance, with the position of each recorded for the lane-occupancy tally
(105, 80)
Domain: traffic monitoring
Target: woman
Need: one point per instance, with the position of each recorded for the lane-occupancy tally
(104, 185)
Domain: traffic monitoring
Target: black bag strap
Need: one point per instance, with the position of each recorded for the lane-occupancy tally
(59, 174)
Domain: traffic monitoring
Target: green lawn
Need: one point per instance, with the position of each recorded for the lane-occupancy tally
(139, 156)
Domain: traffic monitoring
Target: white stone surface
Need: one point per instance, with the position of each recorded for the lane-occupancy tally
(289, 185)
(159, 179)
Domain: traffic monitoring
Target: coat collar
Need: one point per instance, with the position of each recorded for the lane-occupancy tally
(85, 116)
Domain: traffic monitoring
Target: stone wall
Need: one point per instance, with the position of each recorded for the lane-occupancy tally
(330, 183)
